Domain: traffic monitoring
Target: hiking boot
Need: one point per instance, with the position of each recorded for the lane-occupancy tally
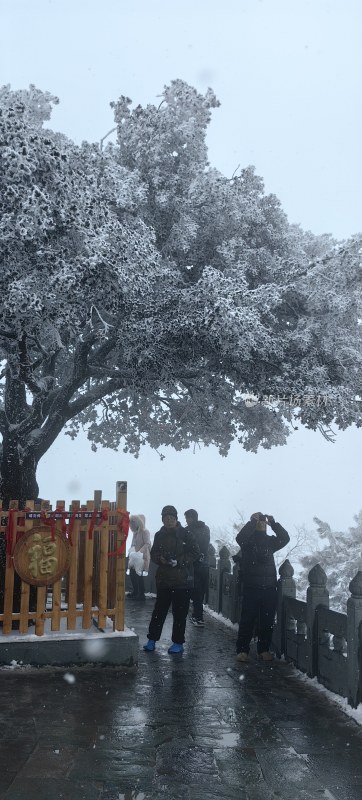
(176, 648)
(266, 656)
(151, 645)
(199, 623)
(242, 657)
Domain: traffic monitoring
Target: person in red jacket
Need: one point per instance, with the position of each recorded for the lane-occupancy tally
(259, 577)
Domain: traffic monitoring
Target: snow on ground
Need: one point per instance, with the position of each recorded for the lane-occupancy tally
(342, 702)
(222, 619)
(63, 633)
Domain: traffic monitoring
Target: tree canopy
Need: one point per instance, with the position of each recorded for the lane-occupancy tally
(143, 293)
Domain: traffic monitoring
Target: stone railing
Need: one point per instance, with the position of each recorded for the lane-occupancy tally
(324, 643)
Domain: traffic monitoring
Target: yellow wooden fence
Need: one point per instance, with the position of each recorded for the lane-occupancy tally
(91, 590)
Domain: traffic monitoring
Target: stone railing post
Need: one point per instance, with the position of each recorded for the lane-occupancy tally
(224, 565)
(237, 593)
(317, 595)
(354, 659)
(285, 588)
(211, 557)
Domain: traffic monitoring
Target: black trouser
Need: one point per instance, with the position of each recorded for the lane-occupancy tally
(258, 608)
(138, 584)
(198, 591)
(180, 600)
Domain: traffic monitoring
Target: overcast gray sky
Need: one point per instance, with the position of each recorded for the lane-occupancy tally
(288, 76)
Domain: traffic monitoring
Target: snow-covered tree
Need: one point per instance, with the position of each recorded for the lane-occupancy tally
(340, 556)
(225, 535)
(68, 268)
(142, 293)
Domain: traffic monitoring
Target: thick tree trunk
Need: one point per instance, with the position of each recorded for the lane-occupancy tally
(18, 460)
(17, 482)
(18, 473)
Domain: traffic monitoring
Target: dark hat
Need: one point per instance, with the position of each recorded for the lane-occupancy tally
(191, 513)
(169, 511)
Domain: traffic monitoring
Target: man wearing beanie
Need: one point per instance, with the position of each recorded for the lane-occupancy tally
(174, 550)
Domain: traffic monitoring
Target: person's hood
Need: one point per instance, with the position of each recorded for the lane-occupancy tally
(137, 522)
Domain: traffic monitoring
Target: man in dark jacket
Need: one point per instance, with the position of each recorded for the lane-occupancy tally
(201, 567)
(259, 576)
(174, 550)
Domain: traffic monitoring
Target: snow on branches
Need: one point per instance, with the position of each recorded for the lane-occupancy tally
(143, 293)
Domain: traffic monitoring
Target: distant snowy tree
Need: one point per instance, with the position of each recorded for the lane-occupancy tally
(302, 540)
(340, 557)
(225, 535)
(143, 293)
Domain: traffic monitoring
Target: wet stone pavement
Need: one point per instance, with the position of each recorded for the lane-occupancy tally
(193, 727)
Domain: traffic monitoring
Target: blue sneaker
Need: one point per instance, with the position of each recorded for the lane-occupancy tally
(176, 648)
(151, 645)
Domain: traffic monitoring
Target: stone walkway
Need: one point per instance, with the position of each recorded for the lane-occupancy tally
(193, 727)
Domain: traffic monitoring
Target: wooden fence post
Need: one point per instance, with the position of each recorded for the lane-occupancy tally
(73, 578)
(317, 595)
(97, 536)
(354, 657)
(121, 502)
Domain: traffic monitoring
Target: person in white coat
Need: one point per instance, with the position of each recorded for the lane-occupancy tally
(141, 545)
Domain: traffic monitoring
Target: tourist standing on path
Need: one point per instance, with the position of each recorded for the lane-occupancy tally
(174, 550)
(201, 567)
(141, 543)
(259, 577)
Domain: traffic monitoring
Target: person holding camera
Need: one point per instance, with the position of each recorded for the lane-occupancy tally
(174, 550)
(259, 576)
